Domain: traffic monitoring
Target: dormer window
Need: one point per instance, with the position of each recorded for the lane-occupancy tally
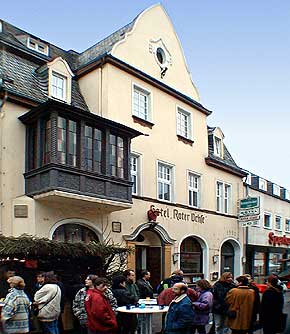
(262, 184)
(59, 79)
(218, 146)
(58, 86)
(37, 46)
(287, 194)
(276, 190)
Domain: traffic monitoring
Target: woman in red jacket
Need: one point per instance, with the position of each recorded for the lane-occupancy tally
(101, 317)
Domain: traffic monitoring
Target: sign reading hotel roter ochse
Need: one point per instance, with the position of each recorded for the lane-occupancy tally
(249, 211)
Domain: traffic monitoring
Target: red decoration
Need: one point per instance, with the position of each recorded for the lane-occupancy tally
(152, 214)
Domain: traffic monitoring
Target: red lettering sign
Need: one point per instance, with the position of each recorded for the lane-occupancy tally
(278, 240)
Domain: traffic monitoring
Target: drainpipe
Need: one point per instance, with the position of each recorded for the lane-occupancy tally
(3, 98)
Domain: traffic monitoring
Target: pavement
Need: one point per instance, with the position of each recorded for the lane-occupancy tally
(156, 323)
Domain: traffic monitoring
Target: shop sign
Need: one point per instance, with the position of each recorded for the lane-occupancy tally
(249, 211)
(278, 240)
(177, 214)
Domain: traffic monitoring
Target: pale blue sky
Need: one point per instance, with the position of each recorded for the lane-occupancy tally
(238, 54)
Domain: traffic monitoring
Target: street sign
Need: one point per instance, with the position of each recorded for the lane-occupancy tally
(250, 223)
(249, 203)
(248, 218)
(249, 211)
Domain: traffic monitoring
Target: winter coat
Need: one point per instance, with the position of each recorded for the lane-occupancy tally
(145, 288)
(169, 282)
(78, 306)
(123, 296)
(15, 312)
(180, 316)
(241, 300)
(133, 290)
(272, 308)
(167, 296)
(202, 307)
(220, 290)
(101, 317)
(48, 299)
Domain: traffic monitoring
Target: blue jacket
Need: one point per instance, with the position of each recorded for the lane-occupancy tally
(180, 316)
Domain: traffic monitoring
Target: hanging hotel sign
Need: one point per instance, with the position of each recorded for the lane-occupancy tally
(278, 239)
(175, 214)
(249, 211)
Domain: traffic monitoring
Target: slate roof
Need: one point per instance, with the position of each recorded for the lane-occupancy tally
(227, 159)
(19, 64)
(104, 46)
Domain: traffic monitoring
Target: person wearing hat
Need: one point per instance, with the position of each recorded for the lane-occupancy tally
(15, 312)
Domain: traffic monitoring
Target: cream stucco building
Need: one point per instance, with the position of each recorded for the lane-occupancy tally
(77, 128)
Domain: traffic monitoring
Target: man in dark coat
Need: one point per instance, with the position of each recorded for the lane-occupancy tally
(145, 288)
(180, 314)
(176, 277)
(220, 290)
(127, 323)
(272, 307)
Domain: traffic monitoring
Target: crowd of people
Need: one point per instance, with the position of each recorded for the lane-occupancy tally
(235, 305)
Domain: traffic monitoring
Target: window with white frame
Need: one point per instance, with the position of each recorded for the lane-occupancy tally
(223, 197)
(227, 198)
(184, 123)
(165, 182)
(262, 184)
(141, 103)
(58, 86)
(193, 189)
(276, 190)
(217, 146)
(135, 173)
(278, 223)
(249, 179)
(37, 46)
(287, 225)
(287, 194)
(267, 220)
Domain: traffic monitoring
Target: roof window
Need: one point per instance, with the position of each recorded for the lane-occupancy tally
(37, 46)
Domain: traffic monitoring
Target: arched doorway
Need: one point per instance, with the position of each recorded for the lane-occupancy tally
(152, 245)
(191, 259)
(148, 255)
(227, 257)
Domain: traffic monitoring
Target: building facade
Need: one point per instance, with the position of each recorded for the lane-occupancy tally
(268, 241)
(92, 141)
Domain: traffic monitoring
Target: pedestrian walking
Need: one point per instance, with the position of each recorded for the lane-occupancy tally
(241, 307)
(48, 299)
(272, 307)
(220, 290)
(15, 312)
(180, 314)
(127, 323)
(144, 286)
(101, 317)
(202, 307)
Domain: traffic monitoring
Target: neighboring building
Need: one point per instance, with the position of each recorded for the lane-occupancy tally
(67, 159)
(268, 242)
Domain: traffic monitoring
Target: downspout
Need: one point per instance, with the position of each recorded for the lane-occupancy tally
(100, 92)
(3, 98)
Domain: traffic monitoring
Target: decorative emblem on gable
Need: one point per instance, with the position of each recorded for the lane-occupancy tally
(161, 54)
